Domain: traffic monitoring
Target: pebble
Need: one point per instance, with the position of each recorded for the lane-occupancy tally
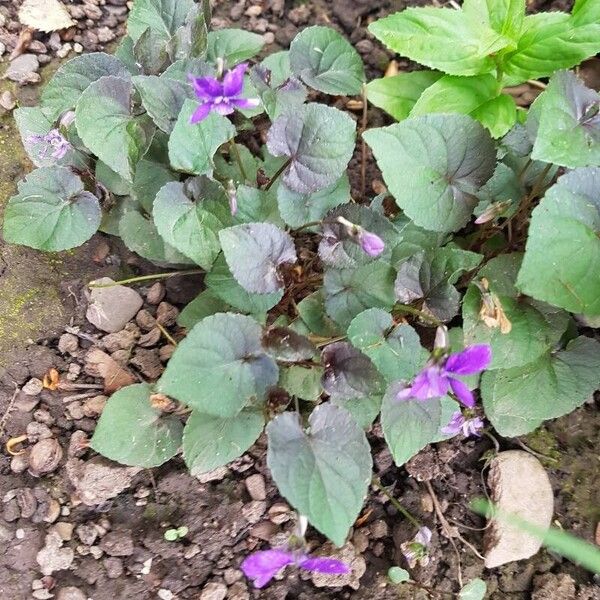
(7, 98)
(105, 35)
(33, 387)
(121, 340)
(269, 37)
(70, 593)
(20, 534)
(117, 543)
(111, 308)
(43, 416)
(232, 575)
(78, 443)
(19, 463)
(279, 513)
(150, 339)
(42, 594)
(165, 594)
(6, 534)
(68, 343)
(166, 314)
(215, 475)
(64, 50)
(44, 457)
(148, 362)
(26, 403)
(78, 48)
(165, 352)
(379, 529)
(52, 557)
(88, 534)
(214, 591)
(255, 484)
(93, 407)
(253, 511)
(156, 293)
(74, 371)
(2, 48)
(145, 320)
(113, 566)
(64, 530)
(37, 431)
(23, 69)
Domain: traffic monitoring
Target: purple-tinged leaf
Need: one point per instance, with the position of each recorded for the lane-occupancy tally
(288, 346)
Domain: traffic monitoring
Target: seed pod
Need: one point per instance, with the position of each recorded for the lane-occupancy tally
(44, 457)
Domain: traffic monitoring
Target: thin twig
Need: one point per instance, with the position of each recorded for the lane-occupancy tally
(169, 337)
(8, 410)
(376, 483)
(411, 310)
(146, 278)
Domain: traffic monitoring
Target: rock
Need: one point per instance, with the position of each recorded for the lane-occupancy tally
(63, 52)
(156, 293)
(165, 594)
(99, 480)
(253, 511)
(44, 457)
(348, 555)
(232, 575)
(26, 502)
(145, 320)
(237, 10)
(112, 307)
(117, 543)
(44, 417)
(33, 387)
(7, 99)
(37, 431)
(300, 14)
(23, 69)
(93, 407)
(105, 35)
(64, 530)
(68, 343)
(166, 314)
(2, 48)
(52, 557)
(147, 361)
(26, 403)
(121, 340)
(70, 593)
(214, 591)
(238, 591)
(113, 566)
(78, 443)
(378, 529)
(88, 534)
(217, 474)
(165, 352)
(100, 364)
(519, 485)
(255, 484)
(279, 513)
(19, 463)
(150, 339)
(554, 587)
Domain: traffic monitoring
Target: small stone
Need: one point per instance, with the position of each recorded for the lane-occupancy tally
(70, 593)
(52, 557)
(238, 591)
(255, 484)
(112, 307)
(100, 364)
(121, 340)
(92, 407)
(214, 591)
(264, 530)
(2, 48)
(300, 15)
(20, 534)
(348, 555)
(96, 552)
(23, 69)
(117, 543)
(27, 502)
(37, 431)
(165, 594)
(11, 512)
(191, 551)
(113, 566)
(54, 42)
(237, 10)
(92, 12)
(254, 11)
(360, 540)
(88, 534)
(253, 511)
(44, 417)
(37, 47)
(150, 339)
(78, 48)
(6, 534)
(78, 443)
(75, 410)
(51, 511)
(26, 403)
(166, 314)
(44, 457)
(19, 463)
(41, 594)
(64, 50)
(269, 38)
(74, 371)
(232, 575)
(279, 513)
(145, 320)
(147, 361)
(165, 352)
(379, 529)
(156, 293)
(7, 98)
(217, 474)
(105, 35)
(33, 387)
(64, 530)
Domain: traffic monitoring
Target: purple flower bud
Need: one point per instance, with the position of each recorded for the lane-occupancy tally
(468, 427)
(371, 243)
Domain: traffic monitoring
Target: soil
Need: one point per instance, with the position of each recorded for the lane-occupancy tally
(114, 547)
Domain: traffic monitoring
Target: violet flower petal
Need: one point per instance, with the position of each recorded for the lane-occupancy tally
(463, 393)
(473, 427)
(330, 566)
(431, 382)
(222, 108)
(206, 88)
(471, 360)
(262, 566)
(371, 243)
(245, 103)
(455, 426)
(200, 113)
(233, 81)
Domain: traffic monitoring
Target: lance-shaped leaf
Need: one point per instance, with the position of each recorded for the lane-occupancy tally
(233, 45)
(569, 123)
(318, 140)
(399, 93)
(348, 372)
(51, 211)
(224, 285)
(350, 291)
(562, 257)
(505, 17)
(518, 400)
(326, 61)
(298, 209)
(191, 227)
(107, 125)
(223, 352)
(255, 253)
(324, 474)
(192, 147)
(163, 99)
(450, 40)
(518, 329)
(286, 345)
(74, 77)
(395, 350)
(163, 17)
(434, 166)
(133, 432)
(210, 442)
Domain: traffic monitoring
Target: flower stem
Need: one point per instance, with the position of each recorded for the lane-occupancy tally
(146, 278)
(411, 310)
(275, 177)
(238, 159)
(307, 225)
(376, 483)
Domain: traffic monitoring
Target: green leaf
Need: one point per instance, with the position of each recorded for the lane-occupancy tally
(534, 328)
(132, 432)
(256, 205)
(562, 257)
(326, 61)
(503, 16)
(163, 99)
(150, 177)
(51, 211)
(350, 291)
(190, 227)
(107, 126)
(318, 140)
(302, 382)
(452, 41)
(204, 305)
(497, 115)
(222, 352)
(364, 410)
(192, 147)
(233, 45)
(311, 312)
(211, 441)
(124, 52)
(398, 94)
(191, 39)
(568, 133)
(396, 351)
(434, 166)
(550, 41)
(287, 345)
(222, 283)
(163, 17)
(277, 98)
(518, 400)
(74, 77)
(111, 180)
(151, 52)
(474, 590)
(409, 425)
(398, 575)
(279, 66)
(180, 69)
(299, 209)
(323, 474)
(255, 254)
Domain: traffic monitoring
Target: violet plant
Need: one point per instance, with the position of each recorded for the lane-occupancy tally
(312, 321)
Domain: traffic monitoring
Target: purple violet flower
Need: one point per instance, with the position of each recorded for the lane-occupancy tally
(222, 97)
(371, 243)
(459, 424)
(54, 142)
(417, 550)
(262, 566)
(439, 377)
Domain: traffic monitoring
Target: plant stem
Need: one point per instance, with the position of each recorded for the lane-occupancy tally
(238, 159)
(275, 177)
(307, 225)
(376, 483)
(363, 145)
(330, 341)
(146, 278)
(169, 337)
(403, 308)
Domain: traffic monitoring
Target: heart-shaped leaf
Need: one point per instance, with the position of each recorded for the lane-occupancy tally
(324, 474)
(318, 140)
(163, 17)
(312, 316)
(204, 305)
(51, 211)
(133, 432)
(222, 352)
(277, 98)
(233, 46)
(434, 166)
(286, 345)
(301, 381)
(255, 252)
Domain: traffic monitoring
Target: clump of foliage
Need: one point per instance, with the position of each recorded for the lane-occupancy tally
(313, 300)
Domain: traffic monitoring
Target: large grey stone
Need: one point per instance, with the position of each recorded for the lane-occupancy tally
(111, 308)
(23, 69)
